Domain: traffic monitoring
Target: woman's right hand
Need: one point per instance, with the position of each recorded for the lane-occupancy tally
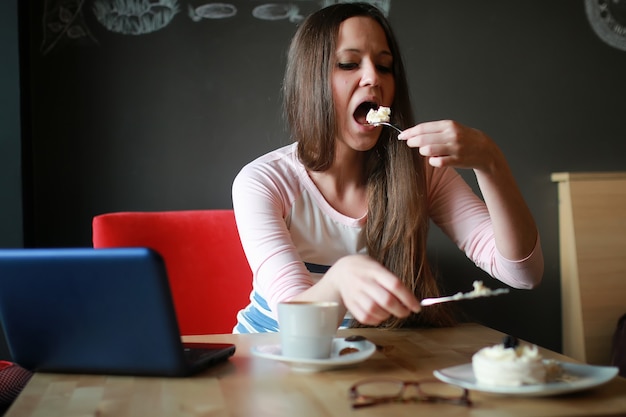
(369, 291)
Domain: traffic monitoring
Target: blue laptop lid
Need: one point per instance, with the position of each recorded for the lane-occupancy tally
(90, 310)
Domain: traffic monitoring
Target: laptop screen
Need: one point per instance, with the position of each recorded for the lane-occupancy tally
(90, 311)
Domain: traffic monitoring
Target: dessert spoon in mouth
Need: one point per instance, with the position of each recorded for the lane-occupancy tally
(386, 124)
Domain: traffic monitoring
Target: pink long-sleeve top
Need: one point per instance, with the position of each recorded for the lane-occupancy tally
(291, 235)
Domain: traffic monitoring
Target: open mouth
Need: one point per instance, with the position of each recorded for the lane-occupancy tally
(360, 114)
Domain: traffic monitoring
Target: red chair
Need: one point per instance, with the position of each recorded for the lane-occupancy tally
(208, 272)
(13, 379)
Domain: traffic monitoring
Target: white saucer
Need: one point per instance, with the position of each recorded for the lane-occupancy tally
(365, 347)
(581, 377)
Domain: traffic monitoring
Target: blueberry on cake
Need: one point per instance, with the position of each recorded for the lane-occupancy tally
(509, 364)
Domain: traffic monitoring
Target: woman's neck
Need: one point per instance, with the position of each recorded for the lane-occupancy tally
(343, 185)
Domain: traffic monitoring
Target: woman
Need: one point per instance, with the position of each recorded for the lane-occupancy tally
(342, 213)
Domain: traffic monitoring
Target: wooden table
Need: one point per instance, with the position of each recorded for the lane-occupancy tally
(250, 386)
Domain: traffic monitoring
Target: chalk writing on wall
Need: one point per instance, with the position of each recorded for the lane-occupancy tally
(135, 17)
(278, 12)
(64, 20)
(212, 11)
(608, 20)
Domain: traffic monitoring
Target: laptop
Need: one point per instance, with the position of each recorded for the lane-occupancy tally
(95, 311)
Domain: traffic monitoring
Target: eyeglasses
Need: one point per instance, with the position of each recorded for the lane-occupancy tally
(375, 391)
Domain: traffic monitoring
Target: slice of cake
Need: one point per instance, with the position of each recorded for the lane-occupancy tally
(509, 364)
(380, 115)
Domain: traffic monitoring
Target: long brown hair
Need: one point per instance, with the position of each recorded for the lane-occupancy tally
(397, 222)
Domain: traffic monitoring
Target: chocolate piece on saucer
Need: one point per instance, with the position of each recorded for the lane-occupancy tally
(347, 351)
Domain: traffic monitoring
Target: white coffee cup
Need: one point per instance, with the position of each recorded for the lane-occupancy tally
(307, 328)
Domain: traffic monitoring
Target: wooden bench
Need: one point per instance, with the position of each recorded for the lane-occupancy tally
(592, 232)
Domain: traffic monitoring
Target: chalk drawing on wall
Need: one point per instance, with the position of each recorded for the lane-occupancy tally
(275, 11)
(63, 21)
(212, 11)
(608, 20)
(135, 17)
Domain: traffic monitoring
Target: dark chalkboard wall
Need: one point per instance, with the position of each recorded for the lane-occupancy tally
(158, 121)
(165, 120)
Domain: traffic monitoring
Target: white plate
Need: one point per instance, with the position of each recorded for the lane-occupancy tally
(579, 377)
(366, 349)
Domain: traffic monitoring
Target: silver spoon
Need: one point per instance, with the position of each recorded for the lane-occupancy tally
(386, 124)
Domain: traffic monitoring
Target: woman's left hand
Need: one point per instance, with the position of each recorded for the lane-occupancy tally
(449, 143)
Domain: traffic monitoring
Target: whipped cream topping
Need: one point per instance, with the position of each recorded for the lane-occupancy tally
(501, 366)
(480, 290)
(382, 114)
